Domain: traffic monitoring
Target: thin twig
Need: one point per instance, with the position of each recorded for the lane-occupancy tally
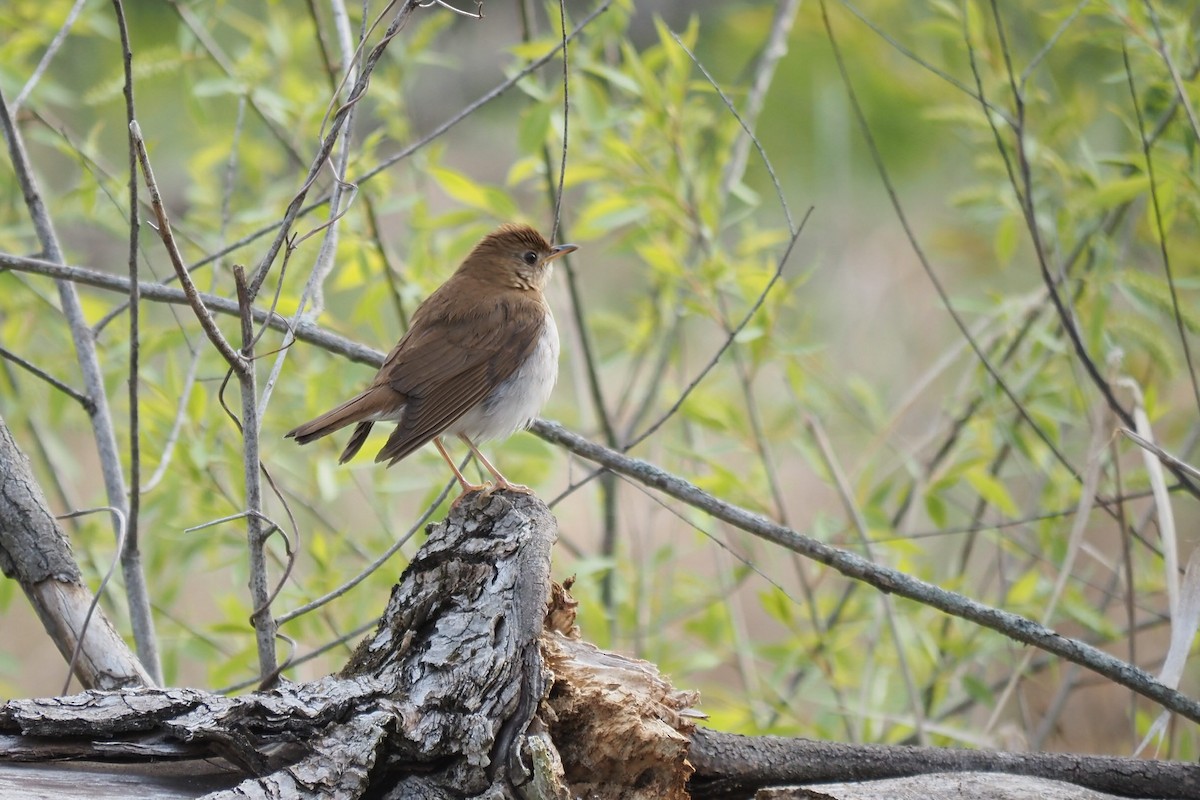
(912, 56)
(729, 339)
(131, 555)
(29, 366)
(1024, 191)
(919, 251)
(55, 44)
(608, 498)
(405, 152)
(1158, 216)
(122, 524)
(314, 287)
(227, 66)
(566, 87)
(1087, 499)
(1160, 454)
(846, 493)
(371, 568)
(764, 73)
(327, 144)
(235, 361)
(1181, 91)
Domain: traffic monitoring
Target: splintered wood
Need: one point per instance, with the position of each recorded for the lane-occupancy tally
(619, 726)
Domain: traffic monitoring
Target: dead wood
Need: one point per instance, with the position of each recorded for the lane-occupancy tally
(476, 683)
(732, 766)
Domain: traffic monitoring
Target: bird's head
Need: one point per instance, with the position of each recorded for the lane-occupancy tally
(514, 256)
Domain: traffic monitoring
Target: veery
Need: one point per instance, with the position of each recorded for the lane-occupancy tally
(478, 361)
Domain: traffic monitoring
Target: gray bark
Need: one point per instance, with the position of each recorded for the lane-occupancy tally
(476, 684)
(35, 552)
(730, 766)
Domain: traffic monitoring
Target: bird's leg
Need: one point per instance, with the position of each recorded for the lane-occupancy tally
(466, 485)
(501, 481)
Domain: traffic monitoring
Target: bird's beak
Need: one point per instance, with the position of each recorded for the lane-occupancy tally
(561, 250)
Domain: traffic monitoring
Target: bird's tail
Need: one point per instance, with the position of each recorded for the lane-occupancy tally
(364, 409)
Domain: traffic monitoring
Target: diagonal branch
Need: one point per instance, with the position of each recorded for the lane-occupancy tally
(232, 357)
(881, 577)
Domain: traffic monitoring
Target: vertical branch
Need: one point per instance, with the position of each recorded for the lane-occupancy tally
(89, 362)
(256, 535)
(242, 364)
(131, 554)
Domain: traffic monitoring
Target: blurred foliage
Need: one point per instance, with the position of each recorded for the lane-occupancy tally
(945, 476)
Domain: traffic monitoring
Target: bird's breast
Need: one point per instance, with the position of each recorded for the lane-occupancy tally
(516, 402)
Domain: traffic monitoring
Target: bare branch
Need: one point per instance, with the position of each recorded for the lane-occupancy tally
(29, 366)
(883, 578)
(305, 331)
(55, 44)
(131, 556)
(1160, 454)
(202, 313)
(89, 362)
(335, 128)
(34, 551)
(764, 72)
(256, 536)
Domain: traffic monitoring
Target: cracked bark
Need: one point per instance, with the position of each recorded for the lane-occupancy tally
(476, 683)
(460, 692)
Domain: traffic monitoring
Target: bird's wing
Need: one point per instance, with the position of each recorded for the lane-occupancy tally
(447, 365)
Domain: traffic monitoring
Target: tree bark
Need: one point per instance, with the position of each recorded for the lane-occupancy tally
(35, 552)
(477, 684)
(460, 692)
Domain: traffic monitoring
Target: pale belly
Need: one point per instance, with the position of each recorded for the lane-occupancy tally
(516, 402)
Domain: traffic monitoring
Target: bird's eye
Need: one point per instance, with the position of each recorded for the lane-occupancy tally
(530, 257)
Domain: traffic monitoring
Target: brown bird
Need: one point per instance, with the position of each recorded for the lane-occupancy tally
(478, 361)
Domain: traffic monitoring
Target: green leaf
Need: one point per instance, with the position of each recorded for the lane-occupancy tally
(1116, 192)
(1024, 591)
(475, 195)
(991, 490)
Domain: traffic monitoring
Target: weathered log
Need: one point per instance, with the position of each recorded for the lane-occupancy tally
(474, 684)
(477, 684)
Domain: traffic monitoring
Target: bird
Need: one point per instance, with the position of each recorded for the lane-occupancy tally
(478, 361)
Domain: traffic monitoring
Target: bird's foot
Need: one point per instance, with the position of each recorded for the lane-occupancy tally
(469, 489)
(513, 487)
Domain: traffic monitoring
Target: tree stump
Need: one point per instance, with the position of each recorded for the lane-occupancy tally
(475, 684)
